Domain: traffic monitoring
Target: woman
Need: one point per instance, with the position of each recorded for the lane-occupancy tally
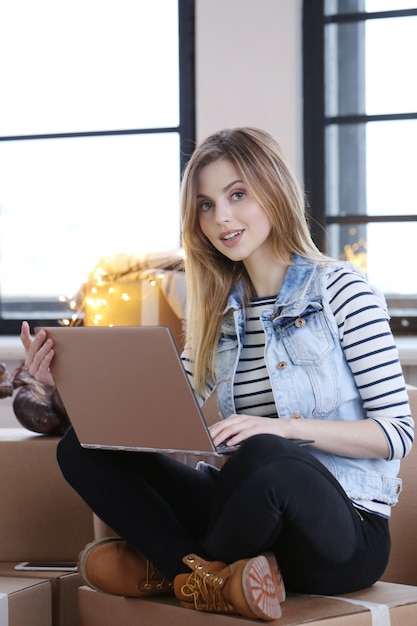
(298, 346)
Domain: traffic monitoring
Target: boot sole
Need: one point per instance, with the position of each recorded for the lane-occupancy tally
(263, 587)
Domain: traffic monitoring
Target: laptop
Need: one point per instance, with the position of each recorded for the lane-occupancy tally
(125, 388)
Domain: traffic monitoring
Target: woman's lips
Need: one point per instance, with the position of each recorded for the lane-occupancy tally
(231, 237)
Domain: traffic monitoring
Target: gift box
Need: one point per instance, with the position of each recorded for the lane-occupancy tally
(383, 603)
(41, 517)
(25, 602)
(125, 292)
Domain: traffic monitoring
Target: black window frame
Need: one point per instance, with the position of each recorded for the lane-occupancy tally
(403, 311)
(51, 312)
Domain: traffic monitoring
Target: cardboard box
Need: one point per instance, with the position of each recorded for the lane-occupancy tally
(25, 602)
(64, 590)
(388, 601)
(402, 566)
(41, 516)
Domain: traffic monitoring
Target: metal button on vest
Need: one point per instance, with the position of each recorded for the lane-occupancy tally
(296, 416)
(282, 365)
(300, 322)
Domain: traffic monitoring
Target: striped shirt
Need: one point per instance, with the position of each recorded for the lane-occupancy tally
(252, 387)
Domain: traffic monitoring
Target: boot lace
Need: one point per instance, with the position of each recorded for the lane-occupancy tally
(154, 578)
(206, 590)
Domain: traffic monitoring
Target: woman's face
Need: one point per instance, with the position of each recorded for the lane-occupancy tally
(229, 216)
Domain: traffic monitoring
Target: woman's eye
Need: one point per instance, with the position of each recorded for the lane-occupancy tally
(205, 206)
(237, 195)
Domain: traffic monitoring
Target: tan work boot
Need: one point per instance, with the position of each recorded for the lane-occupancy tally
(250, 587)
(112, 566)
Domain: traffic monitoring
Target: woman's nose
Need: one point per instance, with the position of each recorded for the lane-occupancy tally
(223, 213)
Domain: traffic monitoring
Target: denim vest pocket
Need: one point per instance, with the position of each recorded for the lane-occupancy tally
(307, 338)
(309, 345)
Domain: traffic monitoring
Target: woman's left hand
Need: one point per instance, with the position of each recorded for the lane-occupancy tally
(38, 354)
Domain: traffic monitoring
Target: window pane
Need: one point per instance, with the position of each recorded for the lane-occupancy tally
(391, 168)
(389, 5)
(345, 68)
(65, 203)
(333, 7)
(345, 174)
(385, 251)
(88, 65)
(390, 87)
(364, 75)
(371, 168)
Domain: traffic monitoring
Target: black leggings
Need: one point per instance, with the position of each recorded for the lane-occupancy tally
(271, 495)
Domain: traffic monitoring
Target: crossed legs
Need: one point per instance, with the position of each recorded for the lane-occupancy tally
(270, 495)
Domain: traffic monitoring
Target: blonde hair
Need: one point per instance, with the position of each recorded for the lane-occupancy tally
(210, 276)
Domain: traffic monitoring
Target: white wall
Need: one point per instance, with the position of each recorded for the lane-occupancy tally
(248, 69)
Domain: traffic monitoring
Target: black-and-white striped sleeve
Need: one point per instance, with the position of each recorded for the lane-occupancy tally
(370, 351)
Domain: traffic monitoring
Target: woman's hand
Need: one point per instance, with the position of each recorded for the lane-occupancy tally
(38, 354)
(237, 428)
(356, 439)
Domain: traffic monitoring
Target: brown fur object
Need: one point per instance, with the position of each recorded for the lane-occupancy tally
(38, 407)
(6, 384)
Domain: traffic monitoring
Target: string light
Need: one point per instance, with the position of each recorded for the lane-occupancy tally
(116, 289)
(357, 253)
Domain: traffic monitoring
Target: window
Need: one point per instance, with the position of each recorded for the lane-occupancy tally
(360, 124)
(96, 122)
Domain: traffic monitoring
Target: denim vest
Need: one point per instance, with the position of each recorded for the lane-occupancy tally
(309, 374)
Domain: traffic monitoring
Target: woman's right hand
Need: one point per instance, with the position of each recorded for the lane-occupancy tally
(38, 354)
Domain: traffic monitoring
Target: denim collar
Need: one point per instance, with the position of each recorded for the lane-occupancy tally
(294, 289)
